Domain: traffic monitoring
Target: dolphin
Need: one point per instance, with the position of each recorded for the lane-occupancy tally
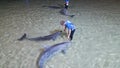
(64, 11)
(48, 37)
(53, 7)
(52, 50)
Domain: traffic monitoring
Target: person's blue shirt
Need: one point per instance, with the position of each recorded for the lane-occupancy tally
(66, 0)
(69, 25)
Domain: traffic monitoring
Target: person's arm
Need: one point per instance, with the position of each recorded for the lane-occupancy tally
(64, 28)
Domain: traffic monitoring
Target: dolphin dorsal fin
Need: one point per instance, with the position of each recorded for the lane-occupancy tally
(63, 51)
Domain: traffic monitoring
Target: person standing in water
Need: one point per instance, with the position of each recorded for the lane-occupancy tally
(70, 28)
(66, 4)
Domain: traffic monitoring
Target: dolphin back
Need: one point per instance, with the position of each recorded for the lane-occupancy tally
(48, 37)
(64, 11)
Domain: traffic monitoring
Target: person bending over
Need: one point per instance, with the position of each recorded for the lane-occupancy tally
(70, 27)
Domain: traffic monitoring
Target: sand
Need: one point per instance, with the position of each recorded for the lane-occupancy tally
(96, 42)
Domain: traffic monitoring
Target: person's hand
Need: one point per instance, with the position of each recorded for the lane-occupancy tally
(64, 29)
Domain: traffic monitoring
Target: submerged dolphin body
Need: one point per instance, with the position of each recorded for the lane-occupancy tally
(52, 50)
(65, 12)
(48, 37)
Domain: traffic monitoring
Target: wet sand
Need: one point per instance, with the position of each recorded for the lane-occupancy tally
(96, 42)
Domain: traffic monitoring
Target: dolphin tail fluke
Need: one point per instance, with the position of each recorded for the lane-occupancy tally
(23, 37)
(72, 16)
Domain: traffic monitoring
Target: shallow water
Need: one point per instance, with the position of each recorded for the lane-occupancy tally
(96, 41)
